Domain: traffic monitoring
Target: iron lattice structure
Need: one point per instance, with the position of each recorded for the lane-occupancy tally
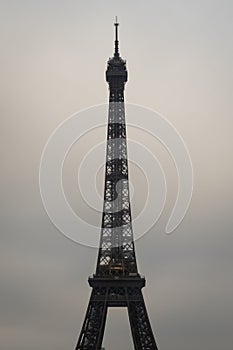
(116, 282)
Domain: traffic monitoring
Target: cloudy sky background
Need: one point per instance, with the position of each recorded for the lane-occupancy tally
(53, 58)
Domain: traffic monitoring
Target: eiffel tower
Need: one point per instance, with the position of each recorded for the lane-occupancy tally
(116, 282)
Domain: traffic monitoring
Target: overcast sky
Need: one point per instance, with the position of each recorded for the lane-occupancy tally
(180, 60)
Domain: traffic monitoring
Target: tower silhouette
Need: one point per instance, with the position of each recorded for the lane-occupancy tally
(116, 282)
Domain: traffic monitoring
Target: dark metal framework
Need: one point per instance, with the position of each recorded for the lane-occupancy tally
(116, 281)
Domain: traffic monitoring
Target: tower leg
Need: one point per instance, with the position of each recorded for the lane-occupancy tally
(92, 332)
(142, 334)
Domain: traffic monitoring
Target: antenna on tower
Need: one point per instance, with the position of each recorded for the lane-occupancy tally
(116, 53)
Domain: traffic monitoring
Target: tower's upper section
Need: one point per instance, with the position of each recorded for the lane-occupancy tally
(116, 74)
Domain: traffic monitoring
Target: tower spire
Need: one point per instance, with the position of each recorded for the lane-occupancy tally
(116, 53)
